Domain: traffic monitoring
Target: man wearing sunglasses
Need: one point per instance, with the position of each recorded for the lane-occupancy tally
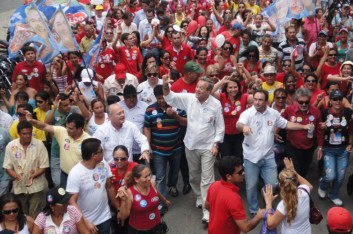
(258, 124)
(299, 147)
(227, 213)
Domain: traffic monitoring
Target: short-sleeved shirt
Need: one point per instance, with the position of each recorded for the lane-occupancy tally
(5, 138)
(285, 50)
(259, 144)
(27, 163)
(131, 58)
(180, 86)
(348, 22)
(70, 149)
(225, 207)
(68, 224)
(106, 61)
(35, 74)
(146, 90)
(36, 133)
(180, 57)
(165, 130)
(86, 43)
(90, 185)
(270, 56)
(271, 89)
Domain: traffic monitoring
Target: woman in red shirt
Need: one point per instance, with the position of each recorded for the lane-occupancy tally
(139, 200)
(310, 82)
(233, 102)
(166, 64)
(345, 77)
(252, 61)
(330, 67)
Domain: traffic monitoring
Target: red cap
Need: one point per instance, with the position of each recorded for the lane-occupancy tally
(120, 71)
(339, 220)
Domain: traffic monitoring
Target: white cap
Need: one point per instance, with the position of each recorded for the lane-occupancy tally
(86, 75)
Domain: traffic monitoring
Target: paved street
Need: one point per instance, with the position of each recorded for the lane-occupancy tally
(183, 216)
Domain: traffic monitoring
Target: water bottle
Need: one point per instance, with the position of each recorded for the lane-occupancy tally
(114, 171)
(311, 131)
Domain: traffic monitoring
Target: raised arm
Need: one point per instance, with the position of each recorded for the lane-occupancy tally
(38, 124)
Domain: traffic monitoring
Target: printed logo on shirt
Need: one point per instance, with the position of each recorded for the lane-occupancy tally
(137, 197)
(293, 118)
(67, 229)
(18, 155)
(97, 185)
(67, 140)
(143, 203)
(95, 177)
(311, 118)
(299, 119)
(154, 199)
(51, 231)
(154, 112)
(66, 147)
(24, 70)
(270, 123)
(152, 216)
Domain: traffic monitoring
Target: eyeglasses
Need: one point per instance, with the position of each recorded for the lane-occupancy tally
(227, 48)
(99, 151)
(123, 159)
(39, 101)
(332, 55)
(8, 212)
(311, 81)
(306, 70)
(152, 74)
(302, 102)
(286, 65)
(281, 98)
(337, 99)
(20, 114)
(240, 172)
(251, 56)
(166, 58)
(214, 75)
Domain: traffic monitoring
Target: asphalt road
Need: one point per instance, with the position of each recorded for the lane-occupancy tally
(183, 217)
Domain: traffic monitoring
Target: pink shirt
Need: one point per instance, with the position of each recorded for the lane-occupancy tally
(312, 27)
(67, 226)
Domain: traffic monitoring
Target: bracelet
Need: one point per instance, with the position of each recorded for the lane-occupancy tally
(215, 145)
(320, 148)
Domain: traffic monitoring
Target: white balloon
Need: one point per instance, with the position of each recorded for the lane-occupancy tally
(97, 2)
(220, 39)
(176, 28)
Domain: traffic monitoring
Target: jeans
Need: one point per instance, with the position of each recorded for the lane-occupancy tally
(4, 186)
(335, 162)
(160, 168)
(267, 168)
(104, 228)
(55, 170)
(232, 145)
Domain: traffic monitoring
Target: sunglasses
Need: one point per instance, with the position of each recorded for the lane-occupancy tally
(152, 74)
(337, 99)
(166, 58)
(286, 65)
(123, 159)
(39, 101)
(214, 75)
(109, 33)
(20, 114)
(251, 56)
(311, 81)
(269, 74)
(240, 172)
(281, 98)
(8, 212)
(227, 48)
(184, 26)
(332, 55)
(169, 31)
(302, 102)
(100, 151)
(306, 70)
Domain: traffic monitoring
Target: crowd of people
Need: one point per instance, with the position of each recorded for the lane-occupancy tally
(110, 140)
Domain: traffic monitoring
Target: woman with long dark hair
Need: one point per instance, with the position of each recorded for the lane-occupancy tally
(12, 217)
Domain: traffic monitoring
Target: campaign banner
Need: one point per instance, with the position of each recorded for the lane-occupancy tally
(282, 11)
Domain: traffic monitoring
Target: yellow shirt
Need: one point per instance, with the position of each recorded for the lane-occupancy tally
(38, 134)
(41, 114)
(27, 163)
(86, 43)
(256, 10)
(271, 89)
(70, 149)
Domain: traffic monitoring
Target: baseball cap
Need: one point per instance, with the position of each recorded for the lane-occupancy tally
(336, 94)
(58, 195)
(193, 67)
(323, 32)
(346, 5)
(343, 29)
(339, 220)
(238, 26)
(269, 70)
(86, 75)
(99, 7)
(120, 71)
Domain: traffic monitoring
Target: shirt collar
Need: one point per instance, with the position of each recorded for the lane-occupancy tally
(296, 109)
(229, 185)
(49, 221)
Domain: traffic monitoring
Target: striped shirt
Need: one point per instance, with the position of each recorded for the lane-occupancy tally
(285, 50)
(165, 130)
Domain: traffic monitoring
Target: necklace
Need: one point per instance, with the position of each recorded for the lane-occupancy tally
(15, 228)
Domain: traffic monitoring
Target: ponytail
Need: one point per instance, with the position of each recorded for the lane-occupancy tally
(288, 180)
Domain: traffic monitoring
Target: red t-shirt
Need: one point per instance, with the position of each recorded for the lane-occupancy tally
(35, 73)
(210, 54)
(235, 41)
(257, 69)
(105, 66)
(225, 207)
(180, 86)
(163, 71)
(280, 76)
(120, 180)
(326, 70)
(166, 43)
(314, 95)
(232, 111)
(131, 58)
(180, 58)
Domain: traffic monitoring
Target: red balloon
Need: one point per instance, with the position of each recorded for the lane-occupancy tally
(192, 26)
(201, 20)
(213, 43)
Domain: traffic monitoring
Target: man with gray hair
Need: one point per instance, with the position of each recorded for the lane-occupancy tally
(205, 130)
(300, 145)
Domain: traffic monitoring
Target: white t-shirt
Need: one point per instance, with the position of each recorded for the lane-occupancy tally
(300, 224)
(92, 126)
(90, 186)
(88, 91)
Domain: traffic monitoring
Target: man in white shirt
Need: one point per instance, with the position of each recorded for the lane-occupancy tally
(90, 183)
(120, 132)
(134, 110)
(258, 124)
(127, 26)
(115, 83)
(205, 130)
(141, 14)
(5, 120)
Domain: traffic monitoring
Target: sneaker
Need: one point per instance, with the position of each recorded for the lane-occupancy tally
(205, 218)
(321, 193)
(337, 202)
(199, 203)
(186, 189)
(173, 191)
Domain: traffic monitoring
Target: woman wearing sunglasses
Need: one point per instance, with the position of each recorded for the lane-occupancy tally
(58, 216)
(146, 87)
(12, 217)
(252, 61)
(344, 79)
(328, 66)
(310, 82)
(226, 59)
(325, 102)
(166, 63)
